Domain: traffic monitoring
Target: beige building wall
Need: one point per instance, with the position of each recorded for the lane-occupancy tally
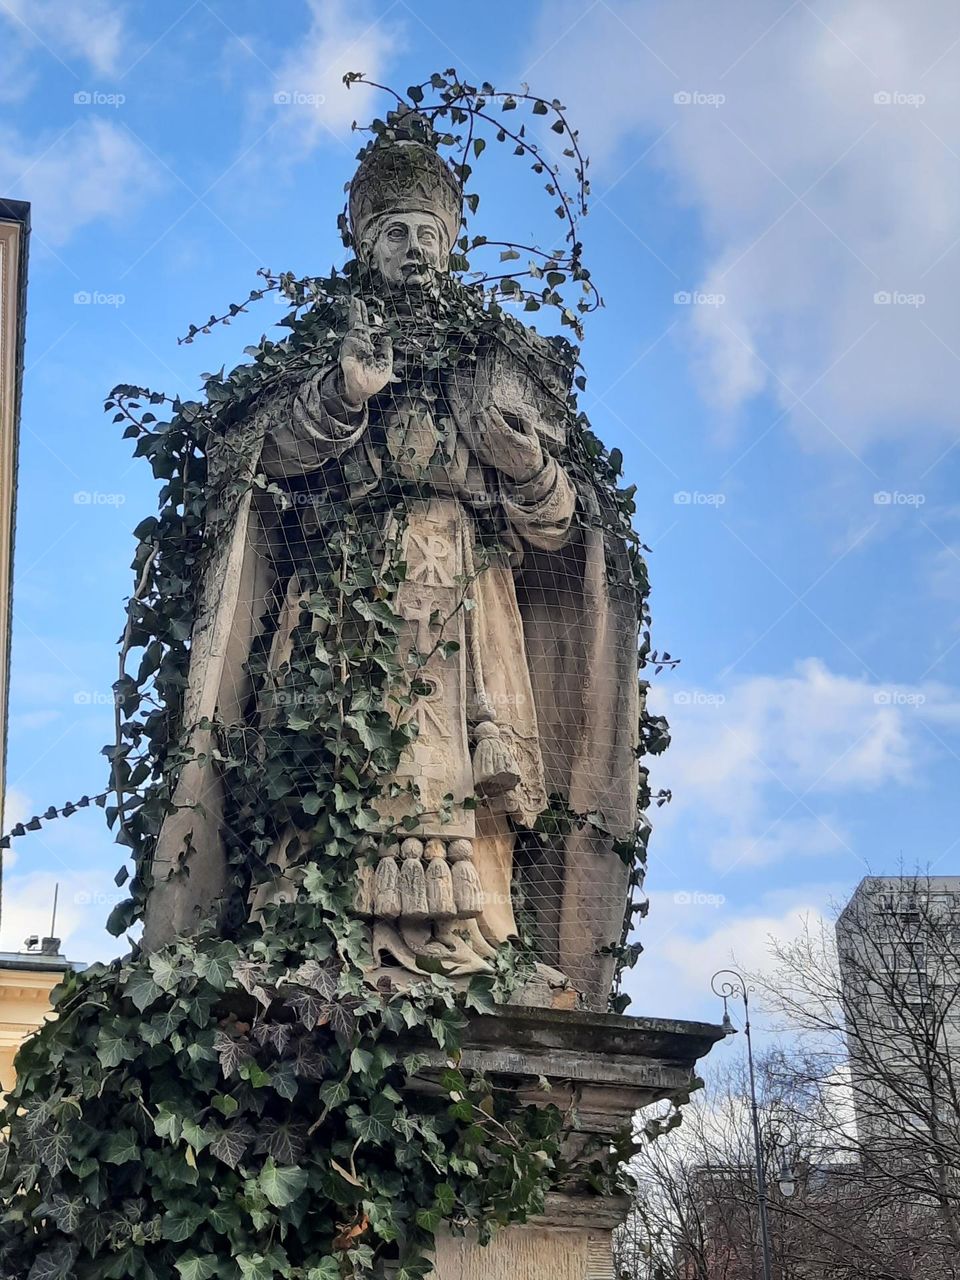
(24, 1004)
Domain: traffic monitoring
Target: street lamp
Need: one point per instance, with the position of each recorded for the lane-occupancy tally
(786, 1182)
(735, 987)
(781, 1139)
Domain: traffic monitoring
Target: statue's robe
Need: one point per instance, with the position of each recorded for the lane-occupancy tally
(554, 621)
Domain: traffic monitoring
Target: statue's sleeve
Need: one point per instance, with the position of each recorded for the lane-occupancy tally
(541, 508)
(310, 425)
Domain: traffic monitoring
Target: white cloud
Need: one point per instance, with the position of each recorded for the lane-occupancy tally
(686, 942)
(813, 194)
(307, 93)
(89, 29)
(83, 904)
(760, 766)
(93, 170)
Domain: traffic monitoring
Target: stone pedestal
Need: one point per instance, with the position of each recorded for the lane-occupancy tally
(604, 1069)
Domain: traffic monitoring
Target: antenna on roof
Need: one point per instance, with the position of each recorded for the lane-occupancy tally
(50, 946)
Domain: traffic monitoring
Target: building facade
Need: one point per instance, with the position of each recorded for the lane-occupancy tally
(898, 945)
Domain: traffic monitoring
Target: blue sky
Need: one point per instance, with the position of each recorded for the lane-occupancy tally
(776, 232)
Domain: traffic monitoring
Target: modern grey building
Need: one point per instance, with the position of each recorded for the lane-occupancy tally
(898, 943)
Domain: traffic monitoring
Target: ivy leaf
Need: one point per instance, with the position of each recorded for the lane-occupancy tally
(113, 1048)
(377, 1125)
(326, 1269)
(166, 973)
(167, 1124)
(66, 1211)
(142, 989)
(52, 1148)
(285, 1140)
(312, 1010)
(232, 1053)
(429, 1220)
(181, 1221)
(120, 1148)
(310, 1063)
(260, 1266)
(280, 1184)
(215, 967)
(54, 1264)
(194, 1267)
(230, 1144)
(319, 977)
(334, 1092)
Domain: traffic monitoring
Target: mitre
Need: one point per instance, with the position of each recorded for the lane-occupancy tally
(402, 175)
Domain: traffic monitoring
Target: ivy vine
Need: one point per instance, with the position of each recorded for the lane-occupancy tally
(243, 1104)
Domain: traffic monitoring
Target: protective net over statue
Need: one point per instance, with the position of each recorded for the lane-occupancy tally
(419, 469)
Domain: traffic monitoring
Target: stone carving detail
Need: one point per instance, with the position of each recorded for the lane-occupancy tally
(531, 674)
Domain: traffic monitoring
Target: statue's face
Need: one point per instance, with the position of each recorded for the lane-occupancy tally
(408, 248)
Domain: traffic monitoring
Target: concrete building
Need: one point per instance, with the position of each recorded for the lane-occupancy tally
(898, 942)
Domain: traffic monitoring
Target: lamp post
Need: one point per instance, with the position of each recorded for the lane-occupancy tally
(735, 987)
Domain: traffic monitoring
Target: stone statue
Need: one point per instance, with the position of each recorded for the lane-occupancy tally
(531, 689)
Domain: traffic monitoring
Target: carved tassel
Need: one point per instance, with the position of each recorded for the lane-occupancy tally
(441, 903)
(467, 890)
(494, 766)
(386, 884)
(413, 885)
(364, 890)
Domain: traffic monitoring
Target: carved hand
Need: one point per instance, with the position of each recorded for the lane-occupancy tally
(515, 451)
(366, 357)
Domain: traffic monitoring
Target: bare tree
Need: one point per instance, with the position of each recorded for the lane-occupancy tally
(876, 1009)
(858, 1099)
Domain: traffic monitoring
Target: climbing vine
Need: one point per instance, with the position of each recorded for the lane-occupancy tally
(244, 1104)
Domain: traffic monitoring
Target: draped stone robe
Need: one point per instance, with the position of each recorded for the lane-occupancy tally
(551, 633)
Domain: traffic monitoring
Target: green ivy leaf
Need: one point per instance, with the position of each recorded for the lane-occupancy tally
(262, 1266)
(66, 1212)
(54, 1264)
(281, 1184)
(142, 989)
(193, 1266)
(113, 1047)
(120, 1148)
(181, 1221)
(215, 967)
(376, 1125)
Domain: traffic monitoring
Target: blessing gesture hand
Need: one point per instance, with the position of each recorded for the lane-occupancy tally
(366, 357)
(515, 451)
